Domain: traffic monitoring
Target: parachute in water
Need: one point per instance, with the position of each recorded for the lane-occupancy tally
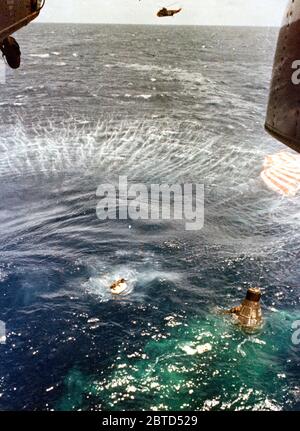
(282, 173)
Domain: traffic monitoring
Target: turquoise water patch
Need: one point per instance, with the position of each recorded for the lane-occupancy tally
(207, 364)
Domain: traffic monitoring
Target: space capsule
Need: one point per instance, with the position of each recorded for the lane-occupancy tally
(249, 314)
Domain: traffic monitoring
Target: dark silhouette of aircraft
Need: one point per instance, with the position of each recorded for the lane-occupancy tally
(15, 14)
(167, 12)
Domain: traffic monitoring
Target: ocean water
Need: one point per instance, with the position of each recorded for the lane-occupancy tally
(158, 105)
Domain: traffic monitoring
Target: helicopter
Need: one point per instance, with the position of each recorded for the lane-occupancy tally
(168, 12)
(164, 11)
(15, 14)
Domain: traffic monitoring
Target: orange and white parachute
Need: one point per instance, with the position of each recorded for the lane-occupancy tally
(282, 173)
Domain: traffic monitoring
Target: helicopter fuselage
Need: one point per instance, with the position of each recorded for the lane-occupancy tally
(15, 14)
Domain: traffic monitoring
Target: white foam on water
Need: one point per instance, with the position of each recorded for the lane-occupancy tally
(45, 55)
(250, 339)
(170, 73)
(144, 96)
(99, 285)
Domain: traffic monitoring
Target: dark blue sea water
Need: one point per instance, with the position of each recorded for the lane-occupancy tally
(158, 105)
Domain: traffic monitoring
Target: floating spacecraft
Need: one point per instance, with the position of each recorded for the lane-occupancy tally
(15, 14)
(249, 315)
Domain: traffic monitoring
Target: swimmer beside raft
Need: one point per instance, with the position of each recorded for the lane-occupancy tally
(119, 286)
